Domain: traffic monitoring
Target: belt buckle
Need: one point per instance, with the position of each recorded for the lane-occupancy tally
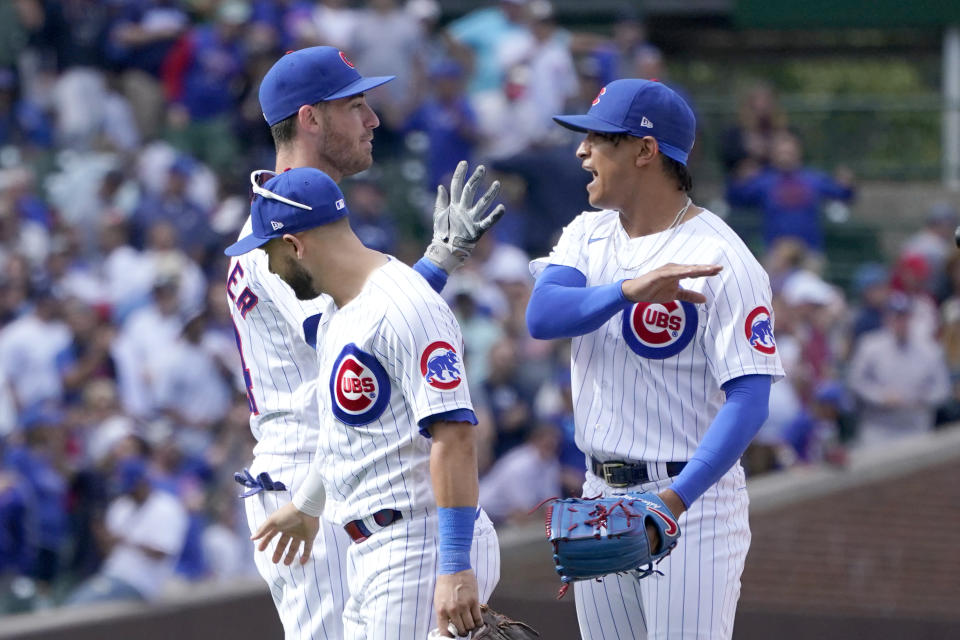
(608, 470)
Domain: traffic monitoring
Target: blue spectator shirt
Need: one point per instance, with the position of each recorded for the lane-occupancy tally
(483, 31)
(445, 126)
(790, 202)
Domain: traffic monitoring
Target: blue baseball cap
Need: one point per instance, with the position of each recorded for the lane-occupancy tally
(308, 76)
(290, 202)
(640, 108)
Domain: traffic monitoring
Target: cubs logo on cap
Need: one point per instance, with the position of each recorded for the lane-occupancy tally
(439, 366)
(758, 329)
(640, 108)
(359, 387)
(308, 76)
(659, 331)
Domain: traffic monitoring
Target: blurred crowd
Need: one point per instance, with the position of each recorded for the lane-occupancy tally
(127, 131)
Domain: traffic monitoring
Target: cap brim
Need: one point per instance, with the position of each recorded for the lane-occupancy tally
(359, 86)
(244, 245)
(584, 123)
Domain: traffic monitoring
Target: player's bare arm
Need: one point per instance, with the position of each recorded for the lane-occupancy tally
(663, 283)
(458, 221)
(453, 472)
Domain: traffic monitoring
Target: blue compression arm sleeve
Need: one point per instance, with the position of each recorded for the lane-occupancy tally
(737, 422)
(434, 275)
(562, 306)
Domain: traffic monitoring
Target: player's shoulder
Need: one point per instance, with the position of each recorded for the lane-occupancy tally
(400, 294)
(589, 223)
(720, 240)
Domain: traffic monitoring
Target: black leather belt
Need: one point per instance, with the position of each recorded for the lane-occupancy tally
(619, 474)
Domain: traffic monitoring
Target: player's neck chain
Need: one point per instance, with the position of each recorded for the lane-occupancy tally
(673, 228)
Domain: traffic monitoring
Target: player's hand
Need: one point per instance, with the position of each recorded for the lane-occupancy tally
(294, 527)
(676, 506)
(663, 283)
(458, 221)
(456, 602)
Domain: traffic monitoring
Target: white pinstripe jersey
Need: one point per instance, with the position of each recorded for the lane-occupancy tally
(280, 367)
(646, 384)
(389, 358)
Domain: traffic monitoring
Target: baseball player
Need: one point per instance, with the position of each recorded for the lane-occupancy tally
(671, 364)
(396, 465)
(313, 101)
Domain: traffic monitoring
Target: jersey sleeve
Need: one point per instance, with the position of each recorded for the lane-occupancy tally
(739, 338)
(570, 250)
(421, 347)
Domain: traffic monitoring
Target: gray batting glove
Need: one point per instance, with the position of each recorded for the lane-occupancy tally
(458, 222)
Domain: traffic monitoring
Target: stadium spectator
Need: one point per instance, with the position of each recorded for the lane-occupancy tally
(203, 79)
(749, 144)
(525, 476)
(911, 275)
(484, 31)
(950, 317)
(789, 195)
(37, 460)
(29, 347)
(138, 41)
(815, 309)
(544, 50)
(508, 398)
(143, 534)
(449, 122)
(898, 377)
(369, 216)
(871, 284)
(935, 243)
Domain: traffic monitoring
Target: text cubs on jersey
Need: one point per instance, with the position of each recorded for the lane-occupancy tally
(659, 331)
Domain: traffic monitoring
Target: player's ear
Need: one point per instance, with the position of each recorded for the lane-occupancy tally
(308, 118)
(295, 243)
(646, 150)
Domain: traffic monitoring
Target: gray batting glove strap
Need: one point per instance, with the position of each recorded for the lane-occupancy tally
(458, 221)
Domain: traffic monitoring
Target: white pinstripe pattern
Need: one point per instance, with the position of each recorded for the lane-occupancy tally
(283, 371)
(385, 463)
(696, 597)
(395, 570)
(629, 406)
(283, 367)
(309, 598)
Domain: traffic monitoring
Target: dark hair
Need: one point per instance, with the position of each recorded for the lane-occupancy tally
(678, 172)
(284, 131)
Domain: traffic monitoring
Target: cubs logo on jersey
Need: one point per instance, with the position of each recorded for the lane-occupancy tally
(758, 328)
(659, 331)
(439, 366)
(359, 387)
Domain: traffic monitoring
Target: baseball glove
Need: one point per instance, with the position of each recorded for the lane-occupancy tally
(497, 626)
(594, 538)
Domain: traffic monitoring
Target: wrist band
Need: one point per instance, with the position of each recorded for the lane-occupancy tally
(455, 530)
(311, 497)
